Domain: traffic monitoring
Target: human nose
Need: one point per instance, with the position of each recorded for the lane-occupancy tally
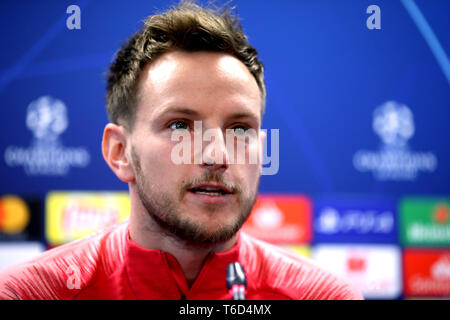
(214, 153)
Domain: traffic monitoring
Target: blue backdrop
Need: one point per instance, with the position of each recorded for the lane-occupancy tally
(363, 113)
(326, 73)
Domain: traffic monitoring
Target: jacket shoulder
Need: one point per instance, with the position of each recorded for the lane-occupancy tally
(296, 277)
(63, 272)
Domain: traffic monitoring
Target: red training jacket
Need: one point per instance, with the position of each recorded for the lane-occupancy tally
(109, 265)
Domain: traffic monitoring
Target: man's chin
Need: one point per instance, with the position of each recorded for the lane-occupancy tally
(207, 233)
(206, 242)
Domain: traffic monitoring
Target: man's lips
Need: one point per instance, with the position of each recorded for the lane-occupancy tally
(210, 189)
(210, 194)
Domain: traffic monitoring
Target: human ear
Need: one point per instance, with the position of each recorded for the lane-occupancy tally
(114, 152)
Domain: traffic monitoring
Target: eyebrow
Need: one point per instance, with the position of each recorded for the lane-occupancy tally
(191, 112)
(240, 115)
(182, 110)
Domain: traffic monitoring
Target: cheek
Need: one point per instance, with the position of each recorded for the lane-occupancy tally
(249, 177)
(254, 161)
(254, 150)
(156, 162)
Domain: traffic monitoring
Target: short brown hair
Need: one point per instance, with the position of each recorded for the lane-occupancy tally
(186, 27)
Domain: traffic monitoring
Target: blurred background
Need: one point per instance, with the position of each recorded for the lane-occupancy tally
(359, 91)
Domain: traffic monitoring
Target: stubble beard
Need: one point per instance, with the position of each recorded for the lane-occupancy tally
(162, 209)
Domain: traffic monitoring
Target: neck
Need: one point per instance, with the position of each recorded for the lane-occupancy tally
(146, 233)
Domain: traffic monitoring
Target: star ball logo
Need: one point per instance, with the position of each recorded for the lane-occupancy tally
(47, 119)
(394, 124)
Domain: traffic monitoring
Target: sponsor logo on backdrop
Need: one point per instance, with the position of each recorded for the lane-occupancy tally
(47, 156)
(301, 250)
(280, 219)
(20, 218)
(394, 124)
(441, 269)
(14, 215)
(348, 220)
(425, 221)
(84, 216)
(12, 253)
(268, 216)
(427, 273)
(357, 263)
(374, 269)
(360, 221)
(71, 216)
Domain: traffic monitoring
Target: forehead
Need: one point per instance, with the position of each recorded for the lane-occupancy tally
(205, 81)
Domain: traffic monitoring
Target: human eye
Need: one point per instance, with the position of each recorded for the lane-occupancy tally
(239, 129)
(179, 125)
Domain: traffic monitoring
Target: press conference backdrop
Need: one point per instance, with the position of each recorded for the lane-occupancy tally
(358, 107)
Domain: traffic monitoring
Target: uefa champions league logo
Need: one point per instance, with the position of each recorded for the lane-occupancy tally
(47, 119)
(394, 124)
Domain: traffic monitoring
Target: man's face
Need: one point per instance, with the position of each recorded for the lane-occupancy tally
(206, 202)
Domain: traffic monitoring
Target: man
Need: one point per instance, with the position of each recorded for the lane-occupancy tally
(188, 69)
